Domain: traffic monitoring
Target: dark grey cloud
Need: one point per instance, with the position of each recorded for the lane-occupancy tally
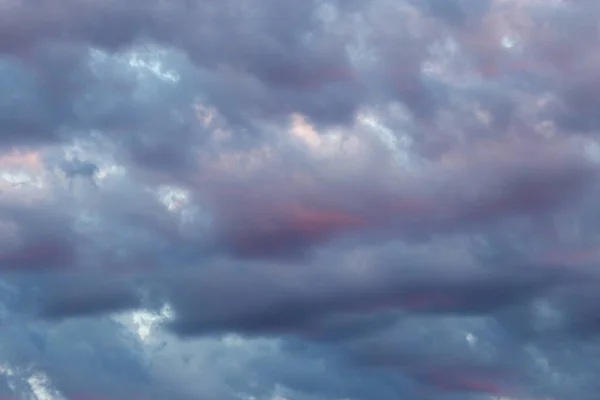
(88, 296)
(327, 302)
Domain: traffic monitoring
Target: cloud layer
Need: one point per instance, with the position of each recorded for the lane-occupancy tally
(299, 200)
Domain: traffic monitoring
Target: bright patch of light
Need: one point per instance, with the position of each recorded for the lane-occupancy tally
(154, 66)
(324, 144)
(147, 61)
(507, 42)
(21, 178)
(173, 198)
(87, 152)
(471, 339)
(110, 170)
(145, 322)
(6, 370)
(399, 145)
(40, 384)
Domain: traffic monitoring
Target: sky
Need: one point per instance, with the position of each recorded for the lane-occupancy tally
(299, 199)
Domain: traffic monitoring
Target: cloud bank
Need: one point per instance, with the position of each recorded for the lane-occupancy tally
(299, 200)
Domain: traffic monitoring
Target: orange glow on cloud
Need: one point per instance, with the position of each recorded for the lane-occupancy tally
(27, 159)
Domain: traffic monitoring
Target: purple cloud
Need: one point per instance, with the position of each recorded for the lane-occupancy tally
(284, 197)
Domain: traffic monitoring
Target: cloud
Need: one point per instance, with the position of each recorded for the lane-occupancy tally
(87, 296)
(298, 200)
(336, 300)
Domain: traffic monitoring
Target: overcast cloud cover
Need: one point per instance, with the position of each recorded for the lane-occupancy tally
(299, 199)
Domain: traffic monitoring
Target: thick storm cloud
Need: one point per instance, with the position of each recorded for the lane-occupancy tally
(299, 200)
